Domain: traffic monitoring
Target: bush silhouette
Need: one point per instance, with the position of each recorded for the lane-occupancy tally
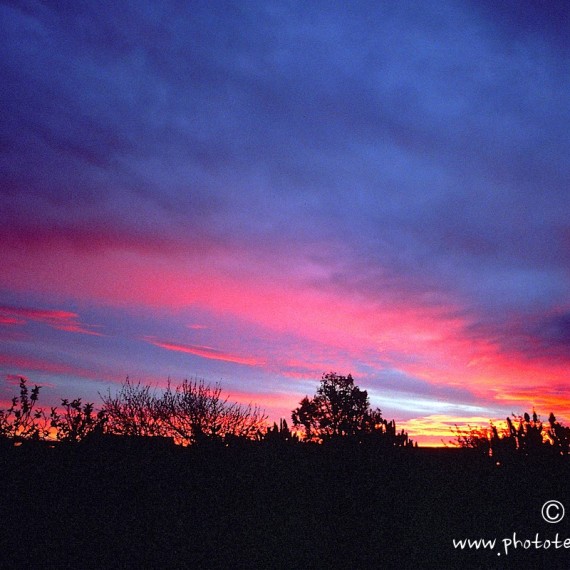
(279, 434)
(524, 436)
(558, 435)
(23, 420)
(77, 421)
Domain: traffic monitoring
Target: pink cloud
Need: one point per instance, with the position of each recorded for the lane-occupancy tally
(205, 352)
(60, 320)
(5, 320)
(77, 328)
(18, 364)
(14, 379)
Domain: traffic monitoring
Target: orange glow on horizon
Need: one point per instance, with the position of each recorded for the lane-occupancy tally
(436, 430)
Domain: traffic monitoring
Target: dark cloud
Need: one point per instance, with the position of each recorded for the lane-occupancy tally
(541, 336)
(524, 19)
(547, 337)
(557, 330)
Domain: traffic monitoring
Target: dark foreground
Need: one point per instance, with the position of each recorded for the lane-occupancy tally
(259, 507)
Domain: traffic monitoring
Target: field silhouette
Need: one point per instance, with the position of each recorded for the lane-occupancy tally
(133, 501)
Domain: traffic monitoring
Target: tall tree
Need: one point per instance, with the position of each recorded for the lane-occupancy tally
(306, 416)
(340, 408)
(341, 405)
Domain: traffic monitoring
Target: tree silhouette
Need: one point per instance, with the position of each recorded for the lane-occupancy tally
(195, 411)
(306, 415)
(341, 405)
(134, 410)
(341, 409)
(190, 413)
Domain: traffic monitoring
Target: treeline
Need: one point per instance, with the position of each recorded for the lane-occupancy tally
(195, 412)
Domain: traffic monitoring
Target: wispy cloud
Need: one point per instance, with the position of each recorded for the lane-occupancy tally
(206, 352)
(14, 379)
(57, 319)
(22, 365)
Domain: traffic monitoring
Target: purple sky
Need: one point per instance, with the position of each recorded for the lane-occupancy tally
(257, 193)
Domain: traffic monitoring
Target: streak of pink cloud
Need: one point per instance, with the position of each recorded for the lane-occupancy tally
(206, 352)
(60, 320)
(4, 320)
(18, 364)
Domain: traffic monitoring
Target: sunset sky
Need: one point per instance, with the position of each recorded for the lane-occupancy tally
(256, 193)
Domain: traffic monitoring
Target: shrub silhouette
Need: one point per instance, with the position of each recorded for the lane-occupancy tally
(77, 421)
(279, 434)
(193, 412)
(524, 435)
(558, 435)
(472, 438)
(23, 420)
